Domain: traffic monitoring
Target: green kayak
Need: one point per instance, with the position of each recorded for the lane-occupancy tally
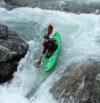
(49, 63)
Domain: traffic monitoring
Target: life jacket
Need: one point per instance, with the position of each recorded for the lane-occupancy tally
(50, 44)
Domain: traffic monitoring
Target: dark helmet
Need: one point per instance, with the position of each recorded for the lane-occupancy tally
(50, 29)
(50, 26)
(46, 36)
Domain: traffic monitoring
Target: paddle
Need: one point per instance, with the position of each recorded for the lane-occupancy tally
(50, 29)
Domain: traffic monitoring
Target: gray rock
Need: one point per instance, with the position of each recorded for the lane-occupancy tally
(97, 88)
(12, 49)
(18, 3)
(3, 32)
(75, 6)
(4, 54)
(44, 4)
(81, 7)
(79, 83)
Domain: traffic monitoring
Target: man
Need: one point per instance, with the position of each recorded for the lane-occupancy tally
(49, 45)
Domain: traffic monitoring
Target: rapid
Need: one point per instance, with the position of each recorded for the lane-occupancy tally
(80, 36)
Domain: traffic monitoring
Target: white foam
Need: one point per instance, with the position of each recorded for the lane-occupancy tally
(80, 38)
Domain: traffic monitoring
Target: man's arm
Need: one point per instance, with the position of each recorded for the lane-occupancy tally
(44, 51)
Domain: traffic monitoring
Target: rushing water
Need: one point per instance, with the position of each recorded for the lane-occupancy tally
(80, 36)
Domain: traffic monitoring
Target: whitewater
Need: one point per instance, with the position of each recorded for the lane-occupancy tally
(80, 36)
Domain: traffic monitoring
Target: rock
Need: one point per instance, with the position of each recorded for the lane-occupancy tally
(81, 7)
(44, 4)
(4, 54)
(78, 83)
(62, 5)
(18, 3)
(97, 88)
(3, 32)
(12, 49)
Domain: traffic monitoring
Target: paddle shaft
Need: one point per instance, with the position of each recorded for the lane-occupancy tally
(41, 57)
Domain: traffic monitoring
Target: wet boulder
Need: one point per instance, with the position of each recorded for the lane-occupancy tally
(80, 83)
(12, 49)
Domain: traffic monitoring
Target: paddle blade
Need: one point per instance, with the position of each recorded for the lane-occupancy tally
(50, 29)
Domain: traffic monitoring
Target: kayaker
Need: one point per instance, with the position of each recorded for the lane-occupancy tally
(49, 45)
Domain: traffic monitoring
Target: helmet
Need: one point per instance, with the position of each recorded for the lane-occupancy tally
(46, 36)
(50, 29)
